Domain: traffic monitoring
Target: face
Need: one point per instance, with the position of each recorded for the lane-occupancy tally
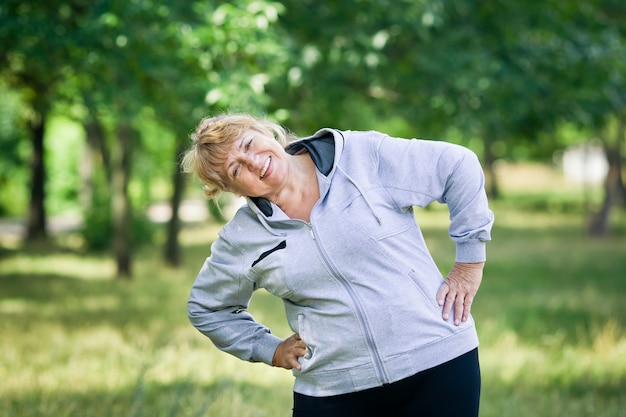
(256, 165)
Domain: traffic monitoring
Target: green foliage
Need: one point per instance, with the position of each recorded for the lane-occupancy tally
(64, 152)
(511, 80)
(503, 72)
(158, 68)
(97, 230)
(13, 173)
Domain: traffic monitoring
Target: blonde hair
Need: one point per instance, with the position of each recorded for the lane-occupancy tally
(211, 142)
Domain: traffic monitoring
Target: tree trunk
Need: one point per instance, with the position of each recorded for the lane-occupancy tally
(491, 181)
(121, 209)
(37, 219)
(89, 161)
(613, 184)
(172, 244)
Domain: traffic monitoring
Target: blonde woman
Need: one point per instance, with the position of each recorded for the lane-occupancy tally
(329, 228)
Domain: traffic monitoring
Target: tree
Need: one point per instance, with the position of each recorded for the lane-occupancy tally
(33, 61)
(504, 72)
(117, 63)
(120, 76)
(597, 48)
(12, 152)
(227, 55)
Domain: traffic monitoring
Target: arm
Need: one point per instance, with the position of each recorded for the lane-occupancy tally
(217, 304)
(427, 171)
(470, 226)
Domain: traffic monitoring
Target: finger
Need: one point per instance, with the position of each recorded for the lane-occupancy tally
(447, 306)
(299, 351)
(444, 289)
(294, 358)
(467, 307)
(459, 305)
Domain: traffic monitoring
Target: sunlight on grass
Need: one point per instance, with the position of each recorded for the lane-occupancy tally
(199, 233)
(70, 265)
(505, 358)
(555, 362)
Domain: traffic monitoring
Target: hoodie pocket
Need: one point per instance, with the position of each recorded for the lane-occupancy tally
(303, 332)
(427, 288)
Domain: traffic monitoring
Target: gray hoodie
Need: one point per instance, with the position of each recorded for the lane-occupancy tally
(357, 281)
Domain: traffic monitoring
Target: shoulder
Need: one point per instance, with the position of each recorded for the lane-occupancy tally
(362, 141)
(243, 219)
(362, 135)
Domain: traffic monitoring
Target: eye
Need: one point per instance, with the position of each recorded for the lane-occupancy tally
(236, 171)
(248, 144)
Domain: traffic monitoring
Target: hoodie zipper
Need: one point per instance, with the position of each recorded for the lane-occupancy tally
(359, 308)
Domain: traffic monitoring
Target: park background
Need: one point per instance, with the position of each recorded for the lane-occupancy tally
(101, 236)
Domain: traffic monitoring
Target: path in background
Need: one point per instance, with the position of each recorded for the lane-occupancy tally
(191, 211)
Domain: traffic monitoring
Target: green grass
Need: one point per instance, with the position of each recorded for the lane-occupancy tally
(76, 342)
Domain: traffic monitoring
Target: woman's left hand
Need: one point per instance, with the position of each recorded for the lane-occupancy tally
(459, 289)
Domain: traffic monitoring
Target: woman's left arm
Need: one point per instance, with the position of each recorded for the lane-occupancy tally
(418, 172)
(470, 228)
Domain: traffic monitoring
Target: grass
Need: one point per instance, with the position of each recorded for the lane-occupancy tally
(76, 342)
(551, 317)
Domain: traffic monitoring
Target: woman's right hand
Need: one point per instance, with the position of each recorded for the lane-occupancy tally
(288, 351)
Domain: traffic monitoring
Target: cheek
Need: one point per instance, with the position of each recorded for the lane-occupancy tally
(234, 187)
(244, 186)
(237, 190)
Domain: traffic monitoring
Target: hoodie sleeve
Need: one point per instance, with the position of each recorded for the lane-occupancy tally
(423, 171)
(217, 307)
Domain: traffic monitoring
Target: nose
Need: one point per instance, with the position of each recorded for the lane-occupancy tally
(251, 161)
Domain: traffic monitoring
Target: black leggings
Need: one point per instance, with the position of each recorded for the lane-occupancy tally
(450, 389)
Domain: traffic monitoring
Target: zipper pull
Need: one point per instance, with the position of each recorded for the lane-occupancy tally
(311, 230)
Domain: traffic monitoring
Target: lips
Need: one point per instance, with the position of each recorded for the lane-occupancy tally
(265, 167)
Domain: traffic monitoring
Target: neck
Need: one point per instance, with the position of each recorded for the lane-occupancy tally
(299, 195)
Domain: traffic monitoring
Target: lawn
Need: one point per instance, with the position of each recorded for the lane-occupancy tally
(76, 342)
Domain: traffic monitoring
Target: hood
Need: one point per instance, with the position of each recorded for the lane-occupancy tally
(325, 148)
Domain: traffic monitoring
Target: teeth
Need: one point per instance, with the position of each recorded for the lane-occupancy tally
(264, 170)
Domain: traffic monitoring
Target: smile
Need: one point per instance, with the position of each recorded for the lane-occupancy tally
(265, 167)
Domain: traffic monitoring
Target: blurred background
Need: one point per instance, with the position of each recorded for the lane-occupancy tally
(101, 235)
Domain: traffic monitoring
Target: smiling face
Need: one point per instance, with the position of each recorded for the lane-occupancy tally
(255, 166)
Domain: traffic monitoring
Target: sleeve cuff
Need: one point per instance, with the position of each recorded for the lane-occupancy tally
(265, 348)
(470, 252)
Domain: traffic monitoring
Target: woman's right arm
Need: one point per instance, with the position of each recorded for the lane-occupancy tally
(217, 307)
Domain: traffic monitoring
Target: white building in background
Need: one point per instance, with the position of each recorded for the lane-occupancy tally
(585, 164)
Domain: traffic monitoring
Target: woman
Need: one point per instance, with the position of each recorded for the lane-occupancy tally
(329, 228)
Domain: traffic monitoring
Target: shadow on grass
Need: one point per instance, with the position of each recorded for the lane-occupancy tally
(228, 397)
(575, 398)
(48, 287)
(569, 304)
(27, 299)
(148, 398)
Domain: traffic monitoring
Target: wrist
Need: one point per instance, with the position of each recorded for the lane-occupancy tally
(474, 266)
